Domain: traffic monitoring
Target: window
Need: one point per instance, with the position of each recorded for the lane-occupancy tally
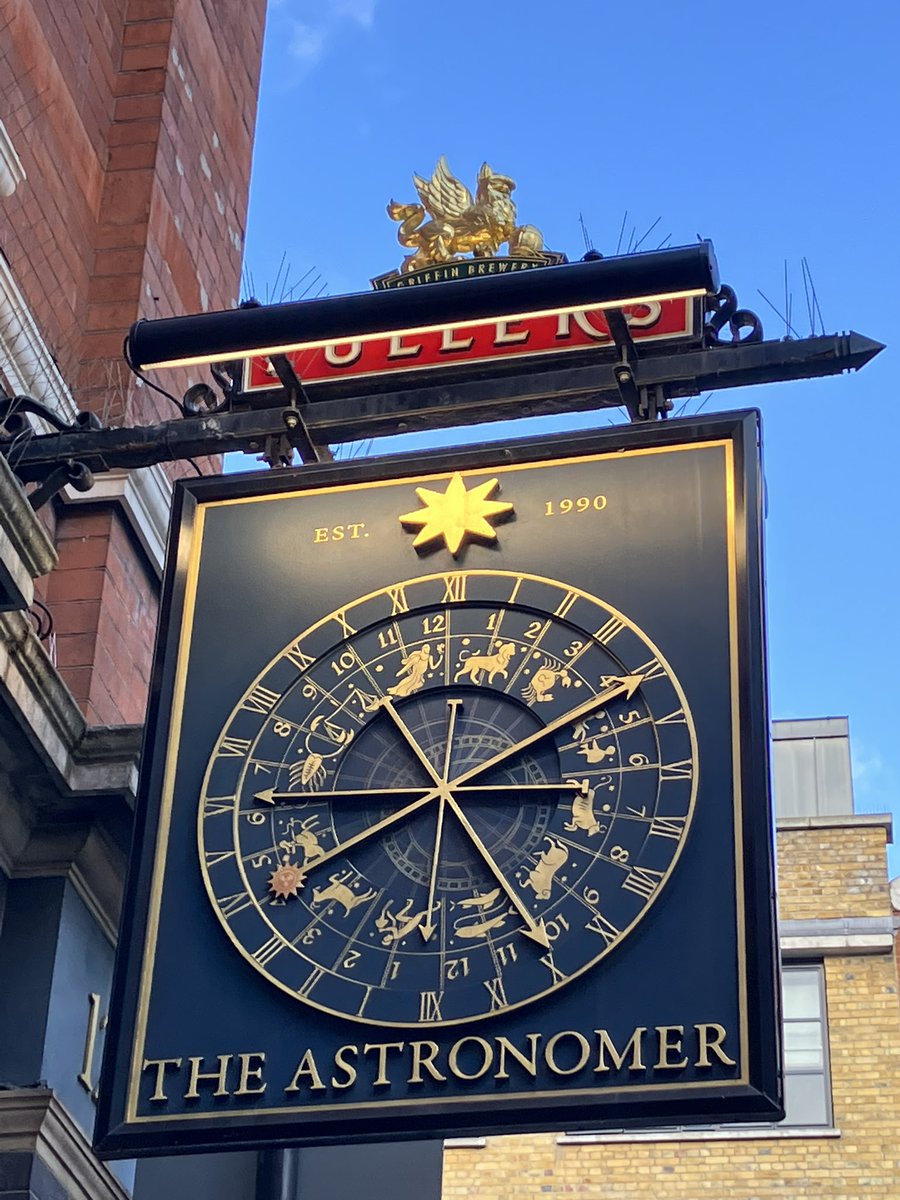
(807, 1084)
(807, 1094)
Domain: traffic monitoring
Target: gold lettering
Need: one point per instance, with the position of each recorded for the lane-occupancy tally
(430, 1006)
(250, 1071)
(423, 1055)
(453, 1057)
(398, 350)
(668, 1046)
(160, 1064)
(505, 336)
(711, 1037)
(505, 1046)
(198, 1076)
(550, 1052)
(449, 343)
(497, 992)
(607, 1045)
(340, 1060)
(382, 1049)
(343, 358)
(320, 535)
(261, 700)
(355, 527)
(306, 1066)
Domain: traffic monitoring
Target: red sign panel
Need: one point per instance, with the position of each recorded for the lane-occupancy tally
(490, 341)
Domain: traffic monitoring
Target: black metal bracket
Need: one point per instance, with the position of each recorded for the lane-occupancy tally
(280, 450)
(646, 383)
(72, 473)
(744, 326)
(646, 403)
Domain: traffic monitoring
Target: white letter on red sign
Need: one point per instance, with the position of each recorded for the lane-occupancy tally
(343, 358)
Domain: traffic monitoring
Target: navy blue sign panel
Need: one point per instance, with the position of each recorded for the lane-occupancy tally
(454, 814)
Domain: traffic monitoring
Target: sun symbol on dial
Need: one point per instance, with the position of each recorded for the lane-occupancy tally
(286, 880)
(457, 514)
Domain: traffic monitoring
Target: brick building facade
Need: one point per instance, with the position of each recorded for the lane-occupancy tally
(125, 141)
(126, 130)
(842, 1033)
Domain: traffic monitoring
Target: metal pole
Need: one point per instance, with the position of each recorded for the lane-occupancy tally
(276, 1175)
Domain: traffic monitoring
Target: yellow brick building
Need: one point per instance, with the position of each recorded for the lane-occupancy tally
(841, 1137)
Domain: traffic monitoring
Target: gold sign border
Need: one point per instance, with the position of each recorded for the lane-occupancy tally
(132, 1117)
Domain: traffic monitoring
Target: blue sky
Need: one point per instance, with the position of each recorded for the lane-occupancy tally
(769, 128)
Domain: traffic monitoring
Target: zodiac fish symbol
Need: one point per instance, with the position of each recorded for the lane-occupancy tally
(475, 924)
(494, 664)
(306, 839)
(338, 891)
(583, 811)
(395, 926)
(542, 874)
(544, 678)
(479, 900)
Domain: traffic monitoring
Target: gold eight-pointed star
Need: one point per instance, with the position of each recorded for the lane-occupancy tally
(457, 514)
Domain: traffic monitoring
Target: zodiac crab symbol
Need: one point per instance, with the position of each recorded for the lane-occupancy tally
(545, 677)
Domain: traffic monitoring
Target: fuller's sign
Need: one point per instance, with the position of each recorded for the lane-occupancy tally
(470, 344)
(454, 812)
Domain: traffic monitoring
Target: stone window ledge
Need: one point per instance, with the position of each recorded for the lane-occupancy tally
(770, 1133)
(33, 1121)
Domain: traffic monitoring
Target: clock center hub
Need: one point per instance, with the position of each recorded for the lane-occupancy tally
(509, 824)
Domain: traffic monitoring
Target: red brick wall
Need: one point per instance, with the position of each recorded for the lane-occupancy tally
(134, 121)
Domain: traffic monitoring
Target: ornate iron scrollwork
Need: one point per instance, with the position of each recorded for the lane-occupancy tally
(723, 312)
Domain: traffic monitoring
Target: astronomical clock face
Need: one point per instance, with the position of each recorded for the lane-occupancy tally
(458, 793)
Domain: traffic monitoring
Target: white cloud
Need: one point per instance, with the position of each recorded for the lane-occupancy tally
(362, 12)
(874, 785)
(306, 44)
(312, 28)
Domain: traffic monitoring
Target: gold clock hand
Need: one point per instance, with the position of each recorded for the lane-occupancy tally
(270, 795)
(534, 929)
(388, 705)
(625, 686)
(427, 928)
(365, 834)
(575, 785)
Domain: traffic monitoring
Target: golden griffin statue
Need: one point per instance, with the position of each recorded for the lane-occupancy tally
(459, 224)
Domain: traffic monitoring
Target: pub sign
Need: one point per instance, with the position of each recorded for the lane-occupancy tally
(454, 813)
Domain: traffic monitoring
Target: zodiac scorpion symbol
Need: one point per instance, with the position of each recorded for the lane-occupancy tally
(312, 769)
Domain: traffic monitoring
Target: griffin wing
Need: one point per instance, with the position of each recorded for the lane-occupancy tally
(443, 195)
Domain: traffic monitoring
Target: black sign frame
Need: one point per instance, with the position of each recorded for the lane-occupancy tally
(755, 1094)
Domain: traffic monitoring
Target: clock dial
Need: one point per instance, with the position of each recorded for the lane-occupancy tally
(448, 798)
